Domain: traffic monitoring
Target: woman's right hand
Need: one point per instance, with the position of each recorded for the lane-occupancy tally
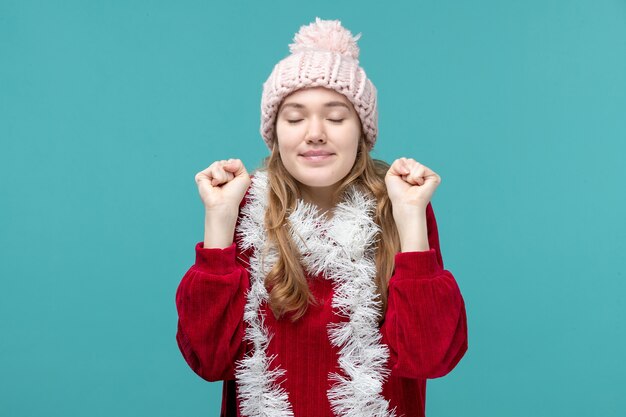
(223, 184)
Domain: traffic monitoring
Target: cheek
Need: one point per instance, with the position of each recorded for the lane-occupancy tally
(287, 154)
(285, 145)
(354, 132)
(352, 160)
(287, 138)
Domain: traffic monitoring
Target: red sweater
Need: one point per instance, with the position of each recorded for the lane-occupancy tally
(425, 329)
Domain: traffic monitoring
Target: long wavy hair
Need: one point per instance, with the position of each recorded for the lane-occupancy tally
(289, 292)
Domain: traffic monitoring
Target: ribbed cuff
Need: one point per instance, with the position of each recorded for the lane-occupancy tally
(422, 264)
(215, 260)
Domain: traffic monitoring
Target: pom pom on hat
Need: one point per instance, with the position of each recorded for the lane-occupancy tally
(326, 35)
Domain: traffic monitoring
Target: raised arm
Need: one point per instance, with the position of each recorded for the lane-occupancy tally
(425, 324)
(210, 298)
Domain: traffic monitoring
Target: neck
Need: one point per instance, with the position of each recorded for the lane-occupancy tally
(322, 197)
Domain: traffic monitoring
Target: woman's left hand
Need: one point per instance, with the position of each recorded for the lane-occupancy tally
(410, 184)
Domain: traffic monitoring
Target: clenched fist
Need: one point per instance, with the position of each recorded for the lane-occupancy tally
(223, 184)
(410, 183)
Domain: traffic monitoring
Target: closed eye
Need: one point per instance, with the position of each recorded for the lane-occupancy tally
(293, 122)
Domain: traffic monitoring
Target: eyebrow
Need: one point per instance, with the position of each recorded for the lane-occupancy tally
(329, 104)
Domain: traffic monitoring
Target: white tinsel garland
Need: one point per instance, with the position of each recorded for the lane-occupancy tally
(341, 249)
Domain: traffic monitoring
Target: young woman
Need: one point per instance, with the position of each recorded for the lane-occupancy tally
(319, 289)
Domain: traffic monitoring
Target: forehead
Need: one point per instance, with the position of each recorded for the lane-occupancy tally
(316, 97)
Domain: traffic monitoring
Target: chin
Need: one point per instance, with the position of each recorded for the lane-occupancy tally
(317, 181)
(318, 184)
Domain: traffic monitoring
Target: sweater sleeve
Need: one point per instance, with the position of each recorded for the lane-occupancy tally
(210, 301)
(425, 324)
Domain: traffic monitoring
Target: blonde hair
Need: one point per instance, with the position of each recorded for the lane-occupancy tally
(286, 282)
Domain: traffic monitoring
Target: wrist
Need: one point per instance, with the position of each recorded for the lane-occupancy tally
(219, 229)
(406, 214)
(412, 228)
(414, 208)
(221, 214)
(414, 245)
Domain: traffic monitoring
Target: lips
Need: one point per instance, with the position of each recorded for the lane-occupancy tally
(316, 153)
(316, 157)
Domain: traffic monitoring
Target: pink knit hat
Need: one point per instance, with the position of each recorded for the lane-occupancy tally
(324, 54)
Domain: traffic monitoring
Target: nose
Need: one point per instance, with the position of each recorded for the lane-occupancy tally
(315, 133)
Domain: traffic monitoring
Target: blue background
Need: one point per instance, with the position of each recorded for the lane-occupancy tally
(108, 110)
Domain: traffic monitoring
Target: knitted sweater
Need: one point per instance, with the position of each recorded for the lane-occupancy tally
(424, 328)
